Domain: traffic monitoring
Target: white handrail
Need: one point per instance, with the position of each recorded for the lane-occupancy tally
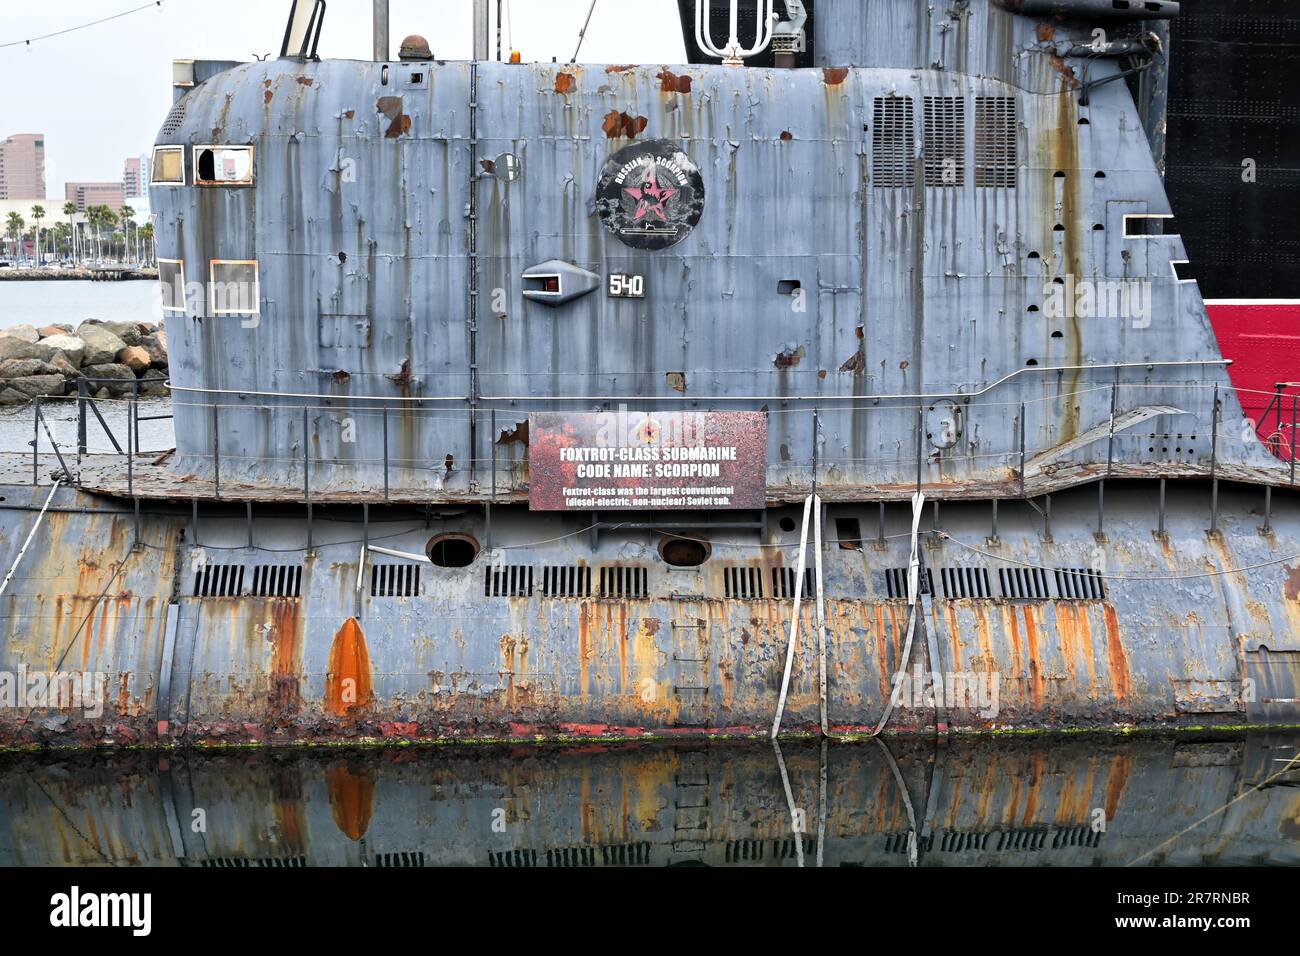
(734, 54)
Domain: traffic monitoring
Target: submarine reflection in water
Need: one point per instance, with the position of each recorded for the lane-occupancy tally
(1080, 801)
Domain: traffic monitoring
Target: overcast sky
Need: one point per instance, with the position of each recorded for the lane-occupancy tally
(101, 94)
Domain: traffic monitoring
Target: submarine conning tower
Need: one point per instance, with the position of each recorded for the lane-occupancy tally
(926, 244)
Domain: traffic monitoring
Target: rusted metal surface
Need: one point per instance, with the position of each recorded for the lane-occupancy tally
(921, 290)
(1099, 802)
(508, 646)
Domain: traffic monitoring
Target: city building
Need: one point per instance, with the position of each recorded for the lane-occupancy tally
(22, 166)
(135, 176)
(86, 195)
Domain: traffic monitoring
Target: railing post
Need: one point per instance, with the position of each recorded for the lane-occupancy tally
(1022, 449)
(1214, 465)
(306, 474)
(135, 412)
(216, 449)
(1295, 401)
(385, 452)
(130, 458)
(82, 391)
(36, 443)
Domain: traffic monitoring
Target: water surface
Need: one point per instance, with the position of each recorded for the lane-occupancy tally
(1051, 801)
(72, 301)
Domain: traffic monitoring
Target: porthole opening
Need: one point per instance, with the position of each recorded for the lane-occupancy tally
(452, 550)
(681, 551)
(788, 524)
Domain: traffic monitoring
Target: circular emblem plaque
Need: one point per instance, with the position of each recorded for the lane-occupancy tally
(650, 195)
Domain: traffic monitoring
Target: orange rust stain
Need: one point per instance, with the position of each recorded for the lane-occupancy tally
(1067, 626)
(268, 96)
(1031, 799)
(348, 684)
(620, 124)
(835, 75)
(352, 800)
(1037, 688)
(1292, 586)
(565, 83)
(584, 649)
(1120, 678)
(1045, 31)
(286, 656)
(620, 69)
(304, 81)
(1121, 767)
(672, 83)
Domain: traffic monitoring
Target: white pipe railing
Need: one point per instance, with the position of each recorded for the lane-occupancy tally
(733, 54)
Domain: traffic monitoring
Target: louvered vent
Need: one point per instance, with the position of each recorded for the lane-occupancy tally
(415, 858)
(508, 580)
(239, 862)
(566, 581)
(395, 580)
(893, 142)
(1080, 584)
(743, 583)
(896, 583)
(966, 583)
(783, 583)
(995, 141)
(512, 858)
(175, 118)
(219, 580)
(945, 141)
(633, 582)
(1024, 584)
(277, 580)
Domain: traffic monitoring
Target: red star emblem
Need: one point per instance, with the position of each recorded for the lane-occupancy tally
(651, 197)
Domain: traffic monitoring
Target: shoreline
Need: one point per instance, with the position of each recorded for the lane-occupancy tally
(102, 274)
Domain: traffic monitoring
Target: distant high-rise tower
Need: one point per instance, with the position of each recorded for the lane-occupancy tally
(22, 166)
(135, 176)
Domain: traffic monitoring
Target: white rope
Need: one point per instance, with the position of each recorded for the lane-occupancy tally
(794, 620)
(913, 595)
(31, 534)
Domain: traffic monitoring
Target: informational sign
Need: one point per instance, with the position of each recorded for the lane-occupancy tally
(647, 461)
(650, 195)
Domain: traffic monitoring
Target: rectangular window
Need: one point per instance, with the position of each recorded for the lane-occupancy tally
(945, 141)
(171, 279)
(168, 166)
(893, 142)
(223, 165)
(995, 142)
(233, 287)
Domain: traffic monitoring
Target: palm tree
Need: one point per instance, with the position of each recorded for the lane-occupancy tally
(126, 212)
(15, 224)
(59, 238)
(38, 213)
(146, 237)
(70, 210)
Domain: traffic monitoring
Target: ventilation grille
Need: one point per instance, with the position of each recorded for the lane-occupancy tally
(743, 583)
(995, 141)
(219, 580)
(966, 583)
(277, 580)
(783, 583)
(1080, 584)
(744, 851)
(238, 862)
(175, 118)
(633, 582)
(1000, 841)
(508, 580)
(896, 583)
(395, 580)
(786, 849)
(566, 581)
(945, 141)
(513, 858)
(400, 859)
(893, 142)
(1024, 584)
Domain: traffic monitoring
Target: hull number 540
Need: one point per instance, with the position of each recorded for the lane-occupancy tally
(623, 286)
